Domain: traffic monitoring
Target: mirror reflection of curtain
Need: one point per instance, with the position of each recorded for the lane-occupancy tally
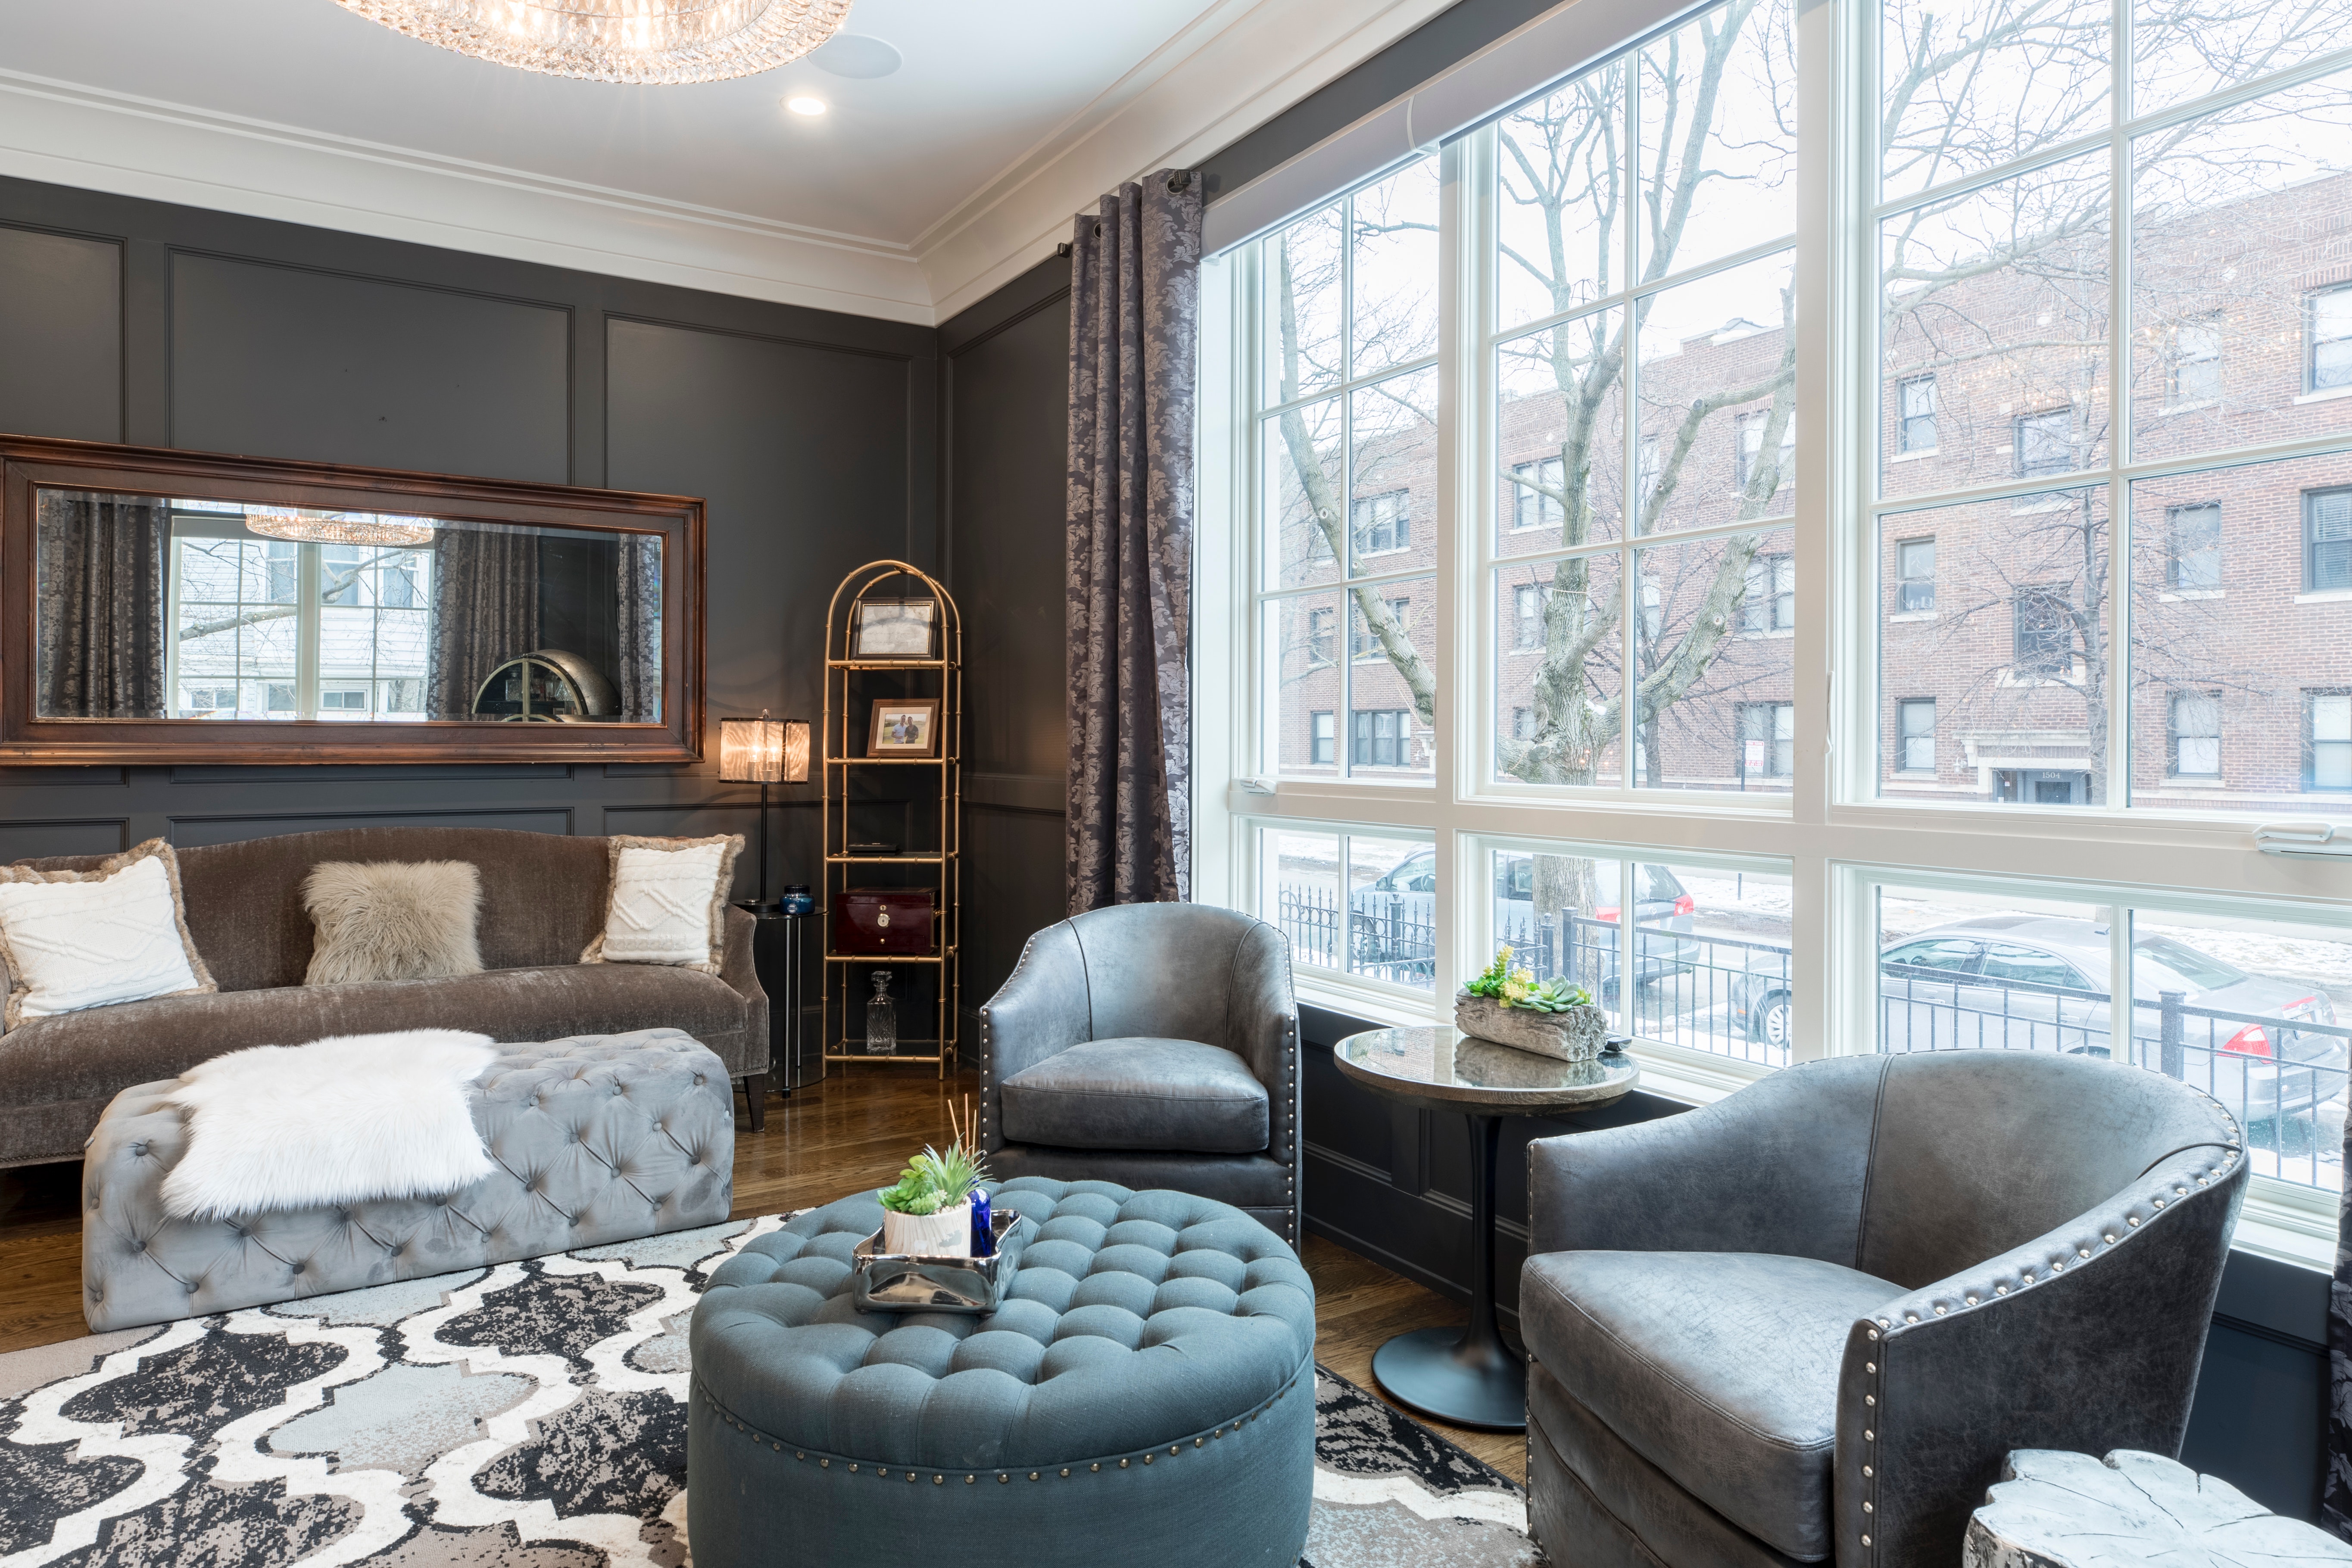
(485, 612)
(101, 585)
(636, 673)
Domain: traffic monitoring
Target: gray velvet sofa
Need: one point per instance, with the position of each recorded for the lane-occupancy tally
(1808, 1322)
(543, 900)
(1152, 1046)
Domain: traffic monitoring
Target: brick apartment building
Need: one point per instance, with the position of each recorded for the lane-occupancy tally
(1995, 616)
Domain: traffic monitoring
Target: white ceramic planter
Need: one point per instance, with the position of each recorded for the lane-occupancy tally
(1575, 1035)
(947, 1233)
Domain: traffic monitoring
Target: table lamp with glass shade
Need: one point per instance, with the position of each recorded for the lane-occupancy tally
(764, 751)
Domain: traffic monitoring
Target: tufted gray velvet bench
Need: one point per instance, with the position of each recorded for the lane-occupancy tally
(598, 1138)
(1144, 1395)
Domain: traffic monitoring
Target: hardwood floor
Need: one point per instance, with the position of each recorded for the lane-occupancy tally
(852, 1131)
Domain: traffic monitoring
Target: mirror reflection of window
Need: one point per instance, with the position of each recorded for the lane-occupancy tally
(218, 611)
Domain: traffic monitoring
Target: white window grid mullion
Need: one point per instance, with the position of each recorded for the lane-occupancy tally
(1341, 388)
(1630, 445)
(2321, 446)
(1641, 290)
(2119, 422)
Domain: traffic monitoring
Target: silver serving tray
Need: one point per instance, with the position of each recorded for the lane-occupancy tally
(895, 1282)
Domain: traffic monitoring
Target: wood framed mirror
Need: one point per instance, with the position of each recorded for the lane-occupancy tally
(168, 606)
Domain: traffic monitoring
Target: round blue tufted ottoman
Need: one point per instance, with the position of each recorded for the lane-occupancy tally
(1144, 1394)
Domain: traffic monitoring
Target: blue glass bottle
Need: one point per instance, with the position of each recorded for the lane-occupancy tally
(983, 1233)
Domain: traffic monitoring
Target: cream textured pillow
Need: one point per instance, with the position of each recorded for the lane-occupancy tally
(393, 919)
(88, 939)
(669, 902)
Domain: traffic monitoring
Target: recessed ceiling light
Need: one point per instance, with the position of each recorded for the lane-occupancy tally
(805, 105)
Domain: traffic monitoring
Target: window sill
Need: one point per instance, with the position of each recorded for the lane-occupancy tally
(2040, 507)
(1915, 457)
(1903, 617)
(2189, 407)
(1767, 637)
(2326, 596)
(2181, 595)
(2327, 395)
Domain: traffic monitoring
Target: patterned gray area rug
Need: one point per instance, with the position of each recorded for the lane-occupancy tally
(529, 1415)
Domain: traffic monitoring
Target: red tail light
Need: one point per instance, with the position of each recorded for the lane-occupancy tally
(1608, 914)
(2250, 1041)
(1685, 905)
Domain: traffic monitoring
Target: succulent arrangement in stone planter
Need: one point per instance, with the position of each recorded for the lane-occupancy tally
(928, 1212)
(1510, 1006)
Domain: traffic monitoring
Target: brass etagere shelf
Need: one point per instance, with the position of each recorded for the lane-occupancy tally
(844, 704)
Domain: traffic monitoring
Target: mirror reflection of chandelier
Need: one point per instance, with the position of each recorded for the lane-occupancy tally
(336, 527)
(641, 42)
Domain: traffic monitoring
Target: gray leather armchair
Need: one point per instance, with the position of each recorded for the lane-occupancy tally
(1154, 1046)
(1808, 1321)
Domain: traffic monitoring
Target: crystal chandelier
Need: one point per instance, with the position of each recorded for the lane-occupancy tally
(336, 527)
(636, 41)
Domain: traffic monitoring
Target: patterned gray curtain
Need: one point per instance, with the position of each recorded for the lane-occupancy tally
(485, 612)
(99, 579)
(638, 646)
(1135, 322)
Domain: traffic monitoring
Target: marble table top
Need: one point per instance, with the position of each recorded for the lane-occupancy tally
(1443, 1067)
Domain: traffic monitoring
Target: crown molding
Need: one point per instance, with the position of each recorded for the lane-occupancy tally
(1238, 64)
(69, 134)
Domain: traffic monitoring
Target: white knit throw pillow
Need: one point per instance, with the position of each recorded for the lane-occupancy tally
(669, 902)
(87, 939)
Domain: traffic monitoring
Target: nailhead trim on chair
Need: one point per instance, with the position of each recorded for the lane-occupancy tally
(2054, 1266)
(1066, 1472)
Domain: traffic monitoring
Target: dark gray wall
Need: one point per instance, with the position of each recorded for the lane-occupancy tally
(814, 436)
(1394, 1183)
(1007, 384)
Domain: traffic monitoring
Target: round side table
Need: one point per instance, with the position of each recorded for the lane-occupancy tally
(1469, 1377)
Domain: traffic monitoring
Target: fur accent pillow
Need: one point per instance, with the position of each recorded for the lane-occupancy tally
(669, 901)
(393, 919)
(89, 939)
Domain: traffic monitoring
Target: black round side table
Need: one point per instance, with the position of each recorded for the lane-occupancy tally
(1469, 1377)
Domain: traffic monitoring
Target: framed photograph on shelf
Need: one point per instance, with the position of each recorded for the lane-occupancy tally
(894, 628)
(905, 727)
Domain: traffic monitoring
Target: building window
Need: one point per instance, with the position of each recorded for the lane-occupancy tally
(1537, 494)
(1523, 723)
(1528, 613)
(1319, 736)
(1914, 429)
(2193, 362)
(1319, 643)
(1384, 522)
(2043, 631)
(1767, 740)
(1750, 446)
(2045, 443)
(2327, 745)
(2196, 732)
(1914, 576)
(2327, 333)
(2326, 539)
(1368, 645)
(2193, 556)
(1381, 737)
(1771, 602)
(1914, 732)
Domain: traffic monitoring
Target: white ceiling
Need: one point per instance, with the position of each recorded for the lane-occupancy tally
(916, 193)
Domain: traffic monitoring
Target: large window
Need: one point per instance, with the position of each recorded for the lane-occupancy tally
(271, 629)
(1942, 704)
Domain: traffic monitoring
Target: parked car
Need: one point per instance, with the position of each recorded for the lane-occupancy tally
(1397, 912)
(2026, 982)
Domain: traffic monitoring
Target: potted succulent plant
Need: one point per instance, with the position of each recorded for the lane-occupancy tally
(1511, 1008)
(929, 1212)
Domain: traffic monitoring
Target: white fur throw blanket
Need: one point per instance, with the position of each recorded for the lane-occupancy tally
(338, 1120)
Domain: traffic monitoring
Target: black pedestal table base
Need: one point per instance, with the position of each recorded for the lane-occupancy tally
(1466, 1376)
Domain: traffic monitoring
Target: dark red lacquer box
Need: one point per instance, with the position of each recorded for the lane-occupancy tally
(882, 919)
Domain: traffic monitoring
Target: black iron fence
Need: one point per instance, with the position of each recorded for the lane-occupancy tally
(1391, 938)
(1722, 994)
(2273, 1074)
